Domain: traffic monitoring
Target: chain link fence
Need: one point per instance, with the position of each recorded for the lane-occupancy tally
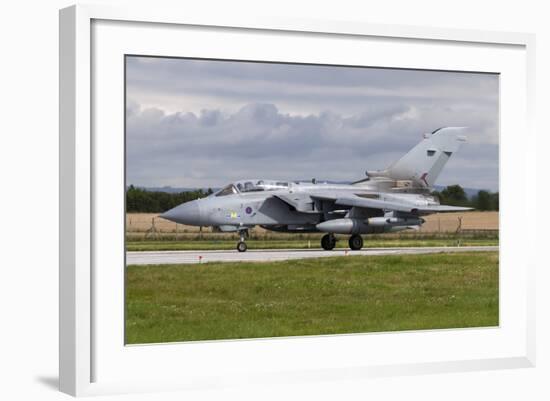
(149, 226)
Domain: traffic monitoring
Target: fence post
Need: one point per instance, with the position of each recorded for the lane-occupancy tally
(459, 227)
(152, 232)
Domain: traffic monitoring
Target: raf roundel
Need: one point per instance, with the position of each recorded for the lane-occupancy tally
(248, 210)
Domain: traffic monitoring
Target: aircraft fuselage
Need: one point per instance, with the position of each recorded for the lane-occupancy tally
(274, 209)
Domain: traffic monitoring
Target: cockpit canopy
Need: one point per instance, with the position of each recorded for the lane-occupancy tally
(244, 186)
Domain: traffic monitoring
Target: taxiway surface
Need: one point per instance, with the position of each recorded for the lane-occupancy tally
(265, 255)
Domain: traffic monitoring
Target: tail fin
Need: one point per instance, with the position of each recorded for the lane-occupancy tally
(423, 163)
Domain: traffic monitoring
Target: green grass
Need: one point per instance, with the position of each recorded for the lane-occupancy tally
(166, 245)
(354, 294)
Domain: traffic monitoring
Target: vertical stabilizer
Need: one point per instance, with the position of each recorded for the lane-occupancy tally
(423, 163)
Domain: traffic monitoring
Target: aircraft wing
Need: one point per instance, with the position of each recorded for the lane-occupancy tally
(446, 208)
(301, 202)
(356, 201)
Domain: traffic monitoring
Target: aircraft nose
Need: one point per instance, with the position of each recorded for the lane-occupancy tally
(187, 213)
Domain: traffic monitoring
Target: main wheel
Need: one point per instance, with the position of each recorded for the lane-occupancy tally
(355, 242)
(241, 246)
(328, 242)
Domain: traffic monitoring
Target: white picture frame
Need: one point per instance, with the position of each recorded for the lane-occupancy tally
(82, 343)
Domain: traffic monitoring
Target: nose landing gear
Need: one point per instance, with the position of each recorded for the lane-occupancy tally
(241, 245)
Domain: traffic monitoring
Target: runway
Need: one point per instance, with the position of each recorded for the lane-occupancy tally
(265, 255)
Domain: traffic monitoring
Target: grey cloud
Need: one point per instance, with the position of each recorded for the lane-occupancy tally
(172, 72)
(326, 86)
(209, 122)
(212, 148)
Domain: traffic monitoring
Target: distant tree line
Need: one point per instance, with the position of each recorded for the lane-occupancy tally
(143, 201)
(455, 195)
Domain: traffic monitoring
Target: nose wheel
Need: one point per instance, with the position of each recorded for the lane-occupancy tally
(328, 242)
(355, 242)
(241, 245)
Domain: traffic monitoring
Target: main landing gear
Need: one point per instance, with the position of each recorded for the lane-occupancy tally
(355, 242)
(328, 242)
(241, 245)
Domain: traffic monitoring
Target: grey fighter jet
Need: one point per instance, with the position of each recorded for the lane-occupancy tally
(387, 200)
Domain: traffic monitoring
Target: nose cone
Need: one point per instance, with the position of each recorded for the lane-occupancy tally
(187, 213)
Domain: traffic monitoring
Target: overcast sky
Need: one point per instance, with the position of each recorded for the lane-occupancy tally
(202, 123)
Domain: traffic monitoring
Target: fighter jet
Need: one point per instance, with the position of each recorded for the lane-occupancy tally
(387, 200)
